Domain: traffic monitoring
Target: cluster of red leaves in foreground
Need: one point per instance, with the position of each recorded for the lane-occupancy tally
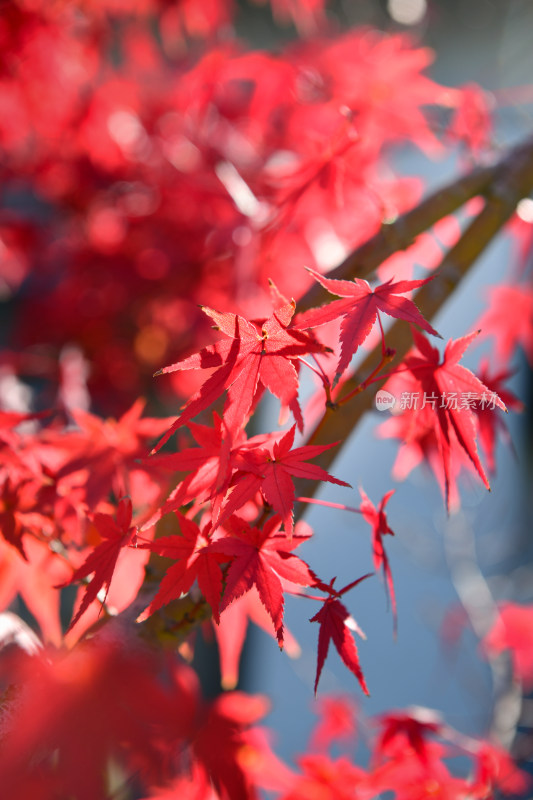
(157, 175)
(145, 711)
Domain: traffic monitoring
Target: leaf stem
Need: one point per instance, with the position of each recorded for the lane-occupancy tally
(328, 504)
(386, 358)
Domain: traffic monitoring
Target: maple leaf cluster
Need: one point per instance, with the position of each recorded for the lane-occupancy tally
(162, 165)
(146, 712)
(109, 253)
(409, 752)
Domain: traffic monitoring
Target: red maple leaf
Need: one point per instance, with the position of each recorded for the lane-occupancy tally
(256, 356)
(195, 560)
(380, 80)
(231, 634)
(209, 466)
(509, 320)
(231, 630)
(495, 769)
(16, 461)
(471, 123)
(223, 738)
(405, 775)
(513, 630)
(262, 558)
(377, 519)
(338, 720)
(202, 464)
(449, 395)
(325, 778)
(109, 451)
(360, 308)
(35, 581)
(101, 561)
(322, 169)
(420, 440)
(16, 515)
(415, 725)
(489, 419)
(270, 471)
(336, 624)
